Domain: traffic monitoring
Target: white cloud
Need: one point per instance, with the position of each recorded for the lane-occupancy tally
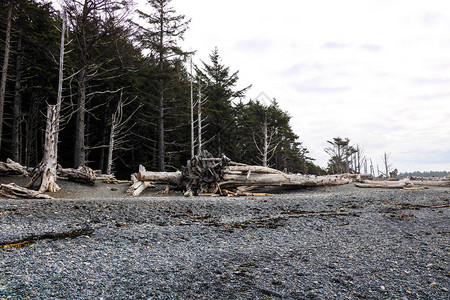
(374, 71)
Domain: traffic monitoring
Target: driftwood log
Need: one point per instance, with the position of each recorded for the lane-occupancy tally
(11, 167)
(407, 183)
(439, 182)
(384, 184)
(205, 174)
(138, 187)
(82, 175)
(14, 191)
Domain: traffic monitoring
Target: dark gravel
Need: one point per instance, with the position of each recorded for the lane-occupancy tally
(324, 243)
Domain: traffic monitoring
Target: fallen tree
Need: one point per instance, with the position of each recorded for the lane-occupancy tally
(11, 167)
(406, 183)
(205, 174)
(384, 184)
(14, 191)
(82, 174)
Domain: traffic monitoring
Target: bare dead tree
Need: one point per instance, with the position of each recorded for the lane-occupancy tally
(270, 144)
(120, 131)
(387, 164)
(192, 113)
(200, 125)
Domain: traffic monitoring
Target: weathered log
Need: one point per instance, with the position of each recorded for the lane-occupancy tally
(252, 169)
(138, 187)
(11, 167)
(232, 180)
(255, 179)
(81, 175)
(173, 178)
(14, 191)
(205, 175)
(384, 184)
(437, 183)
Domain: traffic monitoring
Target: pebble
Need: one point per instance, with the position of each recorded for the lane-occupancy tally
(382, 288)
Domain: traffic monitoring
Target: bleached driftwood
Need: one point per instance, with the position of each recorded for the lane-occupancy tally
(11, 167)
(173, 178)
(282, 179)
(406, 183)
(138, 187)
(82, 175)
(432, 182)
(384, 184)
(14, 191)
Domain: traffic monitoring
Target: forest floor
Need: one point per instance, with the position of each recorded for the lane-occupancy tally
(325, 243)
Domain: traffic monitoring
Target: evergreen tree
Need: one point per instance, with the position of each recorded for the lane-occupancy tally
(161, 37)
(220, 92)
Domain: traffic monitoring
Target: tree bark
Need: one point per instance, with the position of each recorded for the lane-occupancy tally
(17, 104)
(5, 68)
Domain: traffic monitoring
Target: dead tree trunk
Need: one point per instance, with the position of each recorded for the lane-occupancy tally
(199, 116)
(49, 163)
(192, 115)
(79, 151)
(5, 68)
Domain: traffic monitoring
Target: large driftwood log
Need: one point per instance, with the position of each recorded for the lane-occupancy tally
(81, 175)
(255, 179)
(430, 182)
(206, 174)
(384, 184)
(14, 191)
(173, 178)
(440, 182)
(11, 167)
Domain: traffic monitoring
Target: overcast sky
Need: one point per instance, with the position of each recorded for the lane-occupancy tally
(375, 71)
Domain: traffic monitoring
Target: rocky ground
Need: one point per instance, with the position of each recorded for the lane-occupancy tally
(325, 243)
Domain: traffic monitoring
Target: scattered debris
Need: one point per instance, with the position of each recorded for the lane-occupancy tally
(52, 236)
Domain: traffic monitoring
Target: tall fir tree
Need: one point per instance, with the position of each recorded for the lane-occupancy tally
(161, 35)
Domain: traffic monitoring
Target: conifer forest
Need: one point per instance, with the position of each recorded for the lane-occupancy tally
(126, 92)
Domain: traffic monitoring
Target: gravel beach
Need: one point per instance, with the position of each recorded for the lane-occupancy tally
(323, 243)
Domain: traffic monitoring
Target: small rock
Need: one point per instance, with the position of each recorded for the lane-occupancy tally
(382, 288)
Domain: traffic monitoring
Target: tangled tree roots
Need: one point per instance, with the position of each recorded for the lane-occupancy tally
(203, 173)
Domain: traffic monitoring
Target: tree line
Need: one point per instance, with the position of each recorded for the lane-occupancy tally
(129, 94)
